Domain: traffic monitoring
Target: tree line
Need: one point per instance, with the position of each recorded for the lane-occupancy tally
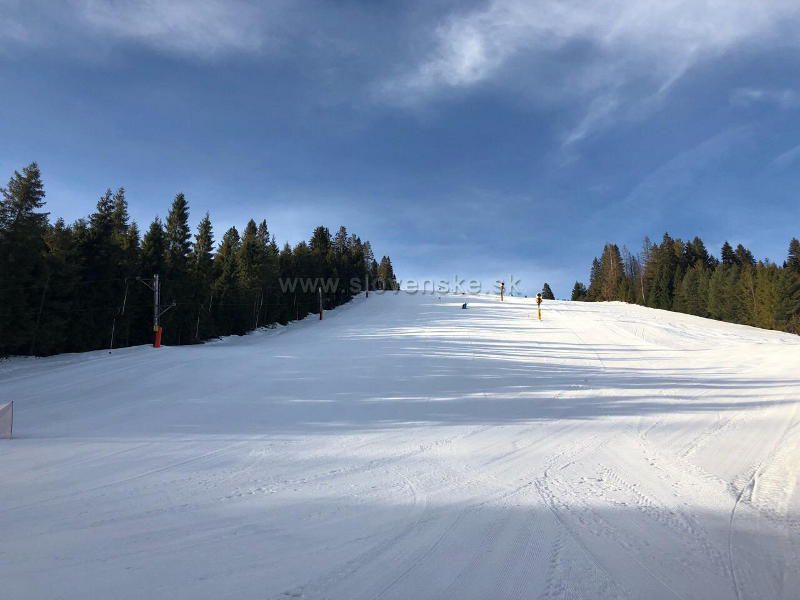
(84, 286)
(685, 277)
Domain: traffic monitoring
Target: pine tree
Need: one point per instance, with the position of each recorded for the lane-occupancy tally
(119, 217)
(579, 291)
(271, 293)
(288, 298)
(320, 241)
(341, 242)
(642, 285)
(23, 268)
(684, 277)
(787, 310)
(179, 324)
(793, 260)
(202, 255)
(305, 265)
(252, 256)
(767, 300)
(102, 269)
(747, 294)
(744, 256)
(370, 267)
(631, 280)
(228, 315)
(728, 255)
(262, 233)
(717, 296)
(695, 252)
(547, 293)
(611, 273)
(57, 301)
(386, 276)
(201, 268)
(661, 273)
(594, 291)
(74, 287)
(692, 293)
(153, 250)
(135, 311)
(177, 237)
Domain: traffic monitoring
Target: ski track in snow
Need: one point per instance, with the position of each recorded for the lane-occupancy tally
(406, 448)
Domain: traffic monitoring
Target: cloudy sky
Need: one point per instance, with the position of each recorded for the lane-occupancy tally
(477, 139)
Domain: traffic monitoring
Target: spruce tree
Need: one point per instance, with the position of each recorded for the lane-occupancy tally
(547, 293)
(661, 270)
(611, 273)
(119, 217)
(179, 323)
(102, 270)
(305, 269)
(578, 291)
(787, 310)
(594, 291)
(744, 256)
(202, 255)
(692, 294)
(153, 250)
(262, 233)
(201, 269)
(228, 315)
(341, 241)
(252, 256)
(74, 287)
(793, 260)
(177, 236)
(269, 280)
(767, 299)
(288, 298)
(23, 268)
(386, 277)
(320, 241)
(727, 254)
(57, 303)
(134, 313)
(684, 277)
(370, 267)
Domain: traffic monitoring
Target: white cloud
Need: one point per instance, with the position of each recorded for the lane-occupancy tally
(611, 54)
(595, 62)
(786, 158)
(600, 111)
(785, 98)
(671, 188)
(204, 28)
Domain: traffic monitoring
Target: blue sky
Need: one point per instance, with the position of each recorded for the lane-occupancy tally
(477, 139)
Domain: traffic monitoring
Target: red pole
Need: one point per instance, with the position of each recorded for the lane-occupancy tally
(157, 340)
(320, 304)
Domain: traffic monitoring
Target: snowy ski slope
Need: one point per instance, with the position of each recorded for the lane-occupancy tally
(405, 448)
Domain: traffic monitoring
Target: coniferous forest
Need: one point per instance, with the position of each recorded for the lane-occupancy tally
(82, 286)
(685, 277)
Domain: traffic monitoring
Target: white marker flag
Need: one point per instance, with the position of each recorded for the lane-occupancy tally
(6, 419)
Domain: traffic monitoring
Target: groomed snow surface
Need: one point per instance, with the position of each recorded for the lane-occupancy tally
(405, 448)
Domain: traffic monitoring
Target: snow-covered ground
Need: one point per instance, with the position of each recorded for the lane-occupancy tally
(405, 448)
